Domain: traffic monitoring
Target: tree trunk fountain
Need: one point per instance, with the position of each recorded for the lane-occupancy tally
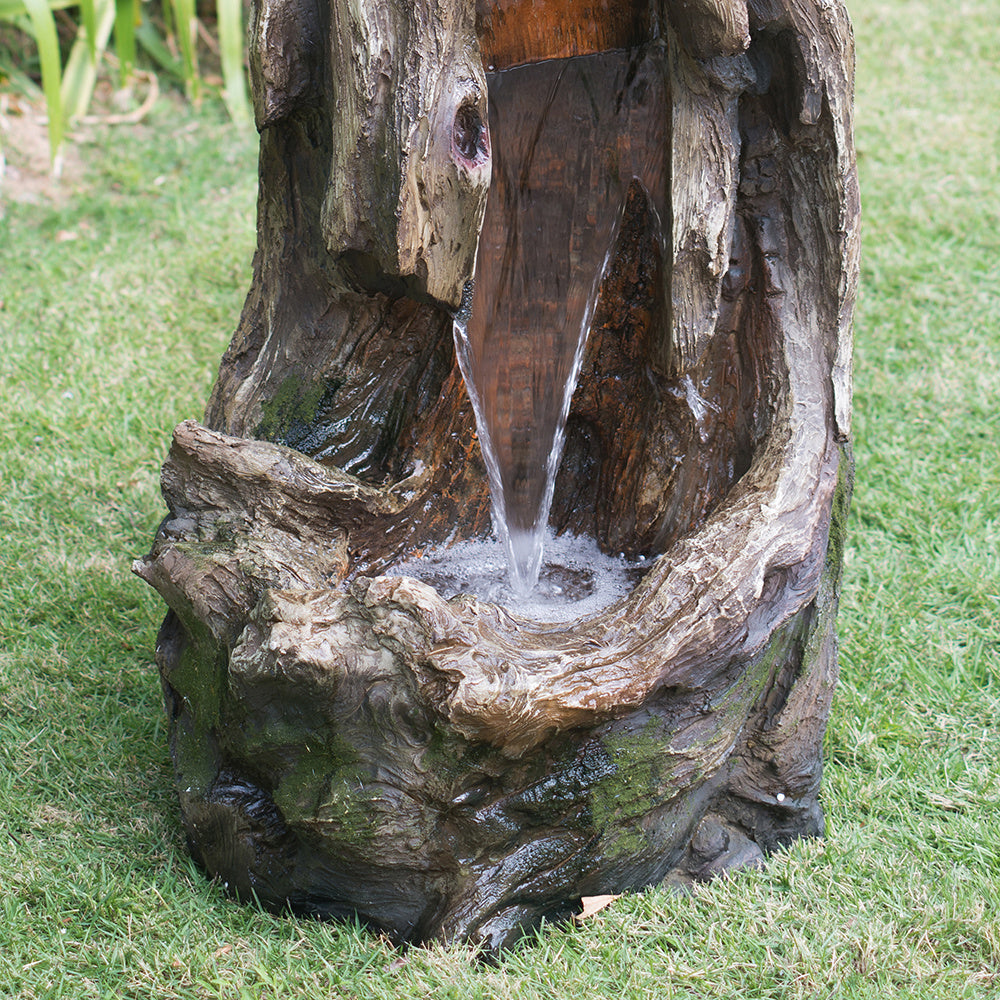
(675, 179)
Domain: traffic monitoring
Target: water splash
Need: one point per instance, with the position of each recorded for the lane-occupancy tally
(576, 581)
(522, 485)
(569, 138)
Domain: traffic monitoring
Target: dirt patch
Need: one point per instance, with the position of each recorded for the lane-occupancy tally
(27, 173)
(26, 169)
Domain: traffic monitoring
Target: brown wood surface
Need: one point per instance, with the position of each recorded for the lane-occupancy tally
(563, 171)
(345, 740)
(514, 32)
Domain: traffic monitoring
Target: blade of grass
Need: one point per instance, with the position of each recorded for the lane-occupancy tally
(231, 44)
(44, 30)
(126, 20)
(80, 75)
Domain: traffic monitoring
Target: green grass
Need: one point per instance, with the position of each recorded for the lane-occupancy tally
(116, 305)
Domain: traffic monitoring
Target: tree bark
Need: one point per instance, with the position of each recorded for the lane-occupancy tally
(346, 741)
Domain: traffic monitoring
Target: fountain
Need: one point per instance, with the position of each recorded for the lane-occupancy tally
(678, 180)
(562, 168)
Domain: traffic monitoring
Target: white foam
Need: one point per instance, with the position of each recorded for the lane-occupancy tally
(576, 581)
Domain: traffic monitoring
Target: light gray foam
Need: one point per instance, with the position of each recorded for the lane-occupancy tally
(576, 581)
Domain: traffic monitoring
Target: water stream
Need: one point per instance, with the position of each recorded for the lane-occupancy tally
(569, 139)
(563, 157)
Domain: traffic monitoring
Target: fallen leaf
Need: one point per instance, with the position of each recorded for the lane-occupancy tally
(224, 950)
(592, 905)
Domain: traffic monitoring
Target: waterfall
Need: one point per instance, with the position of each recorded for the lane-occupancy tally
(562, 162)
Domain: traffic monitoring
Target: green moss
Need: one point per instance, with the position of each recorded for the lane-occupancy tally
(841, 508)
(348, 811)
(629, 792)
(326, 785)
(447, 761)
(293, 403)
(198, 678)
(195, 755)
(645, 767)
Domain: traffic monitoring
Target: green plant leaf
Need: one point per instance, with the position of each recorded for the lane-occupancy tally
(231, 45)
(153, 45)
(88, 19)
(80, 75)
(14, 79)
(126, 21)
(10, 10)
(185, 18)
(44, 28)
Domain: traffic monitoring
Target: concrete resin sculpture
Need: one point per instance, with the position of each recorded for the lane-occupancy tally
(634, 226)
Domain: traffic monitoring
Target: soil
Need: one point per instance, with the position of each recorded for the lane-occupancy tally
(27, 173)
(26, 170)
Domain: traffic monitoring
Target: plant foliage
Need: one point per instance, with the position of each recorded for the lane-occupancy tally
(171, 43)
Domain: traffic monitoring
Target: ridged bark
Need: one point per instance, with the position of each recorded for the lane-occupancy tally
(345, 740)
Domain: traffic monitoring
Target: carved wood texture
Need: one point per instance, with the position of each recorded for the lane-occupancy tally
(345, 740)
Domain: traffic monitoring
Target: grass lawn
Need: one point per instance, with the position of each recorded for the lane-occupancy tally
(117, 298)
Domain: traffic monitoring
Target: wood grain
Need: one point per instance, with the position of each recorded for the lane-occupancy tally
(345, 741)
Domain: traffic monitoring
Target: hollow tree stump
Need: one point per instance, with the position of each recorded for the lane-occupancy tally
(345, 740)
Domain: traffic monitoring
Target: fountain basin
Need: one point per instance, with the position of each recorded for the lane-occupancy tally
(348, 741)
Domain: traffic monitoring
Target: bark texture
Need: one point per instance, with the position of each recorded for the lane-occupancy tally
(345, 740)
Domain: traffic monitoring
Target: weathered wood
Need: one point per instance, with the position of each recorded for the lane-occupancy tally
(515, 32)
(710, 28)
(410, 160)
(345, 740)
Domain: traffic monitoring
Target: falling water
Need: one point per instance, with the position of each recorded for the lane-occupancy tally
(561, 168)
(522, 474)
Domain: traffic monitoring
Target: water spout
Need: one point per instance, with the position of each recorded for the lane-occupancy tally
(521, 486)
(551, 223)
